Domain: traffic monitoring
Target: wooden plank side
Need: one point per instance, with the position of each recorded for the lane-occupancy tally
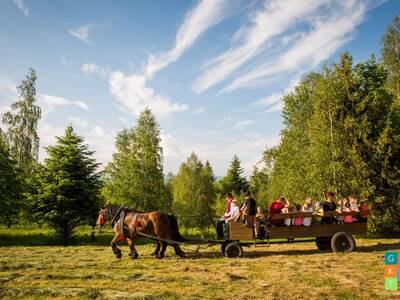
(239, 232)
(308, 215)
(317, 230)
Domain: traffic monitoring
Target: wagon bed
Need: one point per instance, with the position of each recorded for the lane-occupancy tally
(333, 236)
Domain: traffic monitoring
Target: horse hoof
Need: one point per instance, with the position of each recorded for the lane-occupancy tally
(133, 255)
(119, 255)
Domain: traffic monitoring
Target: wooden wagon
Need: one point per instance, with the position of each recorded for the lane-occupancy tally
(334, 236)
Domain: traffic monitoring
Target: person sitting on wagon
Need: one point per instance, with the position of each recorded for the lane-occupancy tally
(249, 211)
(285, 210)
(222, 224)
(276, 208)
(362, 208)
(318, 212)
(261, 221)
(354, 207)
(307, 208)
(328, 205)
(339, 209)
(347, 208)
(298, 221)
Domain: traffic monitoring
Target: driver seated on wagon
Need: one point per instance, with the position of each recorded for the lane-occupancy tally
(231, 212)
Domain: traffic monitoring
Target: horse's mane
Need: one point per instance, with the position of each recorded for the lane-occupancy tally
(112, 209)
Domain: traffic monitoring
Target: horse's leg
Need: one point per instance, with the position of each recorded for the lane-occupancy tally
(178, 251)
(133, 253)
(157, 250)
(163, 248)
(115, 249)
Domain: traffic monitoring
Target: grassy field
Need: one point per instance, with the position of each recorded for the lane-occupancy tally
(279, 272)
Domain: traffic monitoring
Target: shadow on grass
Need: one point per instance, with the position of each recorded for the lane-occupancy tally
(248, 253)
(40, 239)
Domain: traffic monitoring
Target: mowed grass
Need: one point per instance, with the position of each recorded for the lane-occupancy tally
(282, 271)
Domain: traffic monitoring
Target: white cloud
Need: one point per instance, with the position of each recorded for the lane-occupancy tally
(328, 34)
(22, 7)
(48, 103)
(241, 124)
(82, 33)
(274, 100)
(133, 94)
(206, 14)
(90, 68)
(275, 17)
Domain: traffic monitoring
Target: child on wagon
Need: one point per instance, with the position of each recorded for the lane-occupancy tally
(285, 210)
(298, 221)
(346, 208)
(308, 208)
(339, 209)
(354, 207)
(318, 212)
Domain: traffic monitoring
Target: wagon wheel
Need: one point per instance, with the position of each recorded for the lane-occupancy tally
(233, 250)
(343, 242)
(223, 247)
(323, 242)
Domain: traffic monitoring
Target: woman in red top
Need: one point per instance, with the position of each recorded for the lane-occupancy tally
(275, 208)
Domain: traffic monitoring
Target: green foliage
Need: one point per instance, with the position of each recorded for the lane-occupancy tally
(234, 181)
(391, 56)
(341, 133)
(65, 190)
(11, 187)
(259, 184)
(194, 194)
(135, 177)
(21, 123)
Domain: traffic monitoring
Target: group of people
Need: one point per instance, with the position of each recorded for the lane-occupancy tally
(347, 204)
(246, 213)
(250, 215)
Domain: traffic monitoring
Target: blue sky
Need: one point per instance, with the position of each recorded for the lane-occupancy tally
(213, 72)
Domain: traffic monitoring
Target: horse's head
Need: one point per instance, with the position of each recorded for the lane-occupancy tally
(101, 219)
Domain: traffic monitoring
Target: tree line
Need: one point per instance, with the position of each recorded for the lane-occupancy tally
(341, 133)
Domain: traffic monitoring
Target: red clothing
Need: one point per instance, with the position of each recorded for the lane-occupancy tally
(228, 209)
(276, 208)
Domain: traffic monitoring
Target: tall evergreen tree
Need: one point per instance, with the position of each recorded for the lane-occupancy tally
(135, 177)
(10, 187)
(22, 122)
(65, 191)
(233, 180)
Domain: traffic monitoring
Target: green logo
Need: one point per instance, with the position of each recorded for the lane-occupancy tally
(391, 284)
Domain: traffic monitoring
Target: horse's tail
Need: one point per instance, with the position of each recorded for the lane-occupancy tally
(175, 229)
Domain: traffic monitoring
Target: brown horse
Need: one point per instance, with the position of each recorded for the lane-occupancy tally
(155, 224)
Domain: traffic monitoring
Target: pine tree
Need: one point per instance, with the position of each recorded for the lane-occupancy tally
(22, 122)
(135, 175)
(11, 187)
(233, 180)
(65, 190)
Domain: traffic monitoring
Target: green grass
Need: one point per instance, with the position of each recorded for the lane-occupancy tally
(88, 271)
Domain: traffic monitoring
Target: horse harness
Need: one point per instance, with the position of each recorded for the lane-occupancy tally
(121, 213)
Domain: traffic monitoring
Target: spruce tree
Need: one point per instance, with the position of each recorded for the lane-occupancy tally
(135, 177)
(65, 190)
(233, 180)
(10, 187)
(21, 123)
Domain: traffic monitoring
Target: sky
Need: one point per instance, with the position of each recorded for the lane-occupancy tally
(213, 72)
